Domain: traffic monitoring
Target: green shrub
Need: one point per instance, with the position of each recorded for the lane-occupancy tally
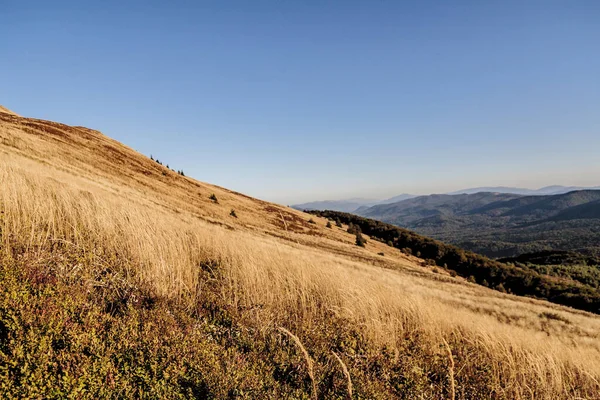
(360, 240)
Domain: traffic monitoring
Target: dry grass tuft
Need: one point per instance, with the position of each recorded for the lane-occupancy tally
(450, 370)
(346, 374)
(307, 359)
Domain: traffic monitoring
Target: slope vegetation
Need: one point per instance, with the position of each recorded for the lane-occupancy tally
(519, 279)
(123, 279)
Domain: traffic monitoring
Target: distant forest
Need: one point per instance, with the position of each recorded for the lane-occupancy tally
(501, 224)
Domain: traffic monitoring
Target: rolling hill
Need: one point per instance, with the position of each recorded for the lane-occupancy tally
(360, 205)
(349, 205)
(120, 278)
(547, 190)
(502, 224)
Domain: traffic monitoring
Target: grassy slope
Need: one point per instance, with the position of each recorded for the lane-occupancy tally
(121, 278)
(517, 279)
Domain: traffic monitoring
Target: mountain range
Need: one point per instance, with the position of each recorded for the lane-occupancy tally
(349, 205)
(501, 224)
(360, 204)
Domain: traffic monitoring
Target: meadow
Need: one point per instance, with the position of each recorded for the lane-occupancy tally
(121, 278)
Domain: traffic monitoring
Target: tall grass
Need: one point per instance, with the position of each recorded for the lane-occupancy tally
(267, 282)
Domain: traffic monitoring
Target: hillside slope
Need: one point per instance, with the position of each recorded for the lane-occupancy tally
(499, 225)
(121, 278)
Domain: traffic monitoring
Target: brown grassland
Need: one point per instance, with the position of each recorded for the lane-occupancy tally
(122, 279)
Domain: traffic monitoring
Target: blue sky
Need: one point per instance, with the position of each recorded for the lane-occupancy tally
(293, 101)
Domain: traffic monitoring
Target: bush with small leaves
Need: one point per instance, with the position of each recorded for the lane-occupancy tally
(360, 240)
(338, 223)
(354, 229)
(214, 198)
(233, 214)
(328, 224)
(311, 221)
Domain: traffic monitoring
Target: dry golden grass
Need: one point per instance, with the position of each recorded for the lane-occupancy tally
(73, 187)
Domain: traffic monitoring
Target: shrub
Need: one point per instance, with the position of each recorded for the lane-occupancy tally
(338, 223)
(360, 241)
(233, 214)
(213, 198)
(328, 224)
(354, 229)
(311, 221)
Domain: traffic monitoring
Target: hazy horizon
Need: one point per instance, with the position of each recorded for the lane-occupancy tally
(387, 196)
(297, 102)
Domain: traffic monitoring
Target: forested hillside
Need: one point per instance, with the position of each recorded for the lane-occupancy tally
(501, 225)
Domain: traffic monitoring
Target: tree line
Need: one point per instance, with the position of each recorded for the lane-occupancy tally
(519, 280)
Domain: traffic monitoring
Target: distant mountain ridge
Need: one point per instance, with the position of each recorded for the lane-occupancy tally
(501, 224)
(348, 205)
(547, 190)
(358, 204)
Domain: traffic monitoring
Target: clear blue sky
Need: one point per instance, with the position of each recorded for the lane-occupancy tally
(303, 100)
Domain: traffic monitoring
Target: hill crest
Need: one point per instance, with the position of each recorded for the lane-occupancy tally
(7, 111)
